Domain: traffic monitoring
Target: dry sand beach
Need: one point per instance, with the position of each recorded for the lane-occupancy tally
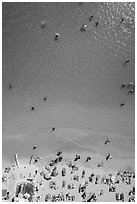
(68, 83)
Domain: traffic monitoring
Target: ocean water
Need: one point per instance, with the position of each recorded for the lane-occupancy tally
(80, 74)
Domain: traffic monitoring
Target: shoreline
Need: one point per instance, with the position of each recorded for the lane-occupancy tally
(114, 164)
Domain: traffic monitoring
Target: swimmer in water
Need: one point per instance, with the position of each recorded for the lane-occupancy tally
(124, 85)
(56, 36)
(91, 18)
(43, 24)
(34, 147)
(96, 24)
(125, 63)
(107, 141)
(32, 108)
(83, 28)
(53, 129)
(122, 104)
(131, 91)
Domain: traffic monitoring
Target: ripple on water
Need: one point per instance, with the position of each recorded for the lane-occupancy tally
(115, 28)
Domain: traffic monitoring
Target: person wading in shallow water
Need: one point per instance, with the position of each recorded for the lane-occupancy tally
(10, 86)
(59, 153)
(108, 157)
(88, 158)
(107, 141)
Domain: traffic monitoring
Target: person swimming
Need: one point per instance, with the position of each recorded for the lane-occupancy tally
(52, 129)
(56, 36)
(32, 108)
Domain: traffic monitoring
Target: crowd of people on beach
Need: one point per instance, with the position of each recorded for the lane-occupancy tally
(74, 184)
